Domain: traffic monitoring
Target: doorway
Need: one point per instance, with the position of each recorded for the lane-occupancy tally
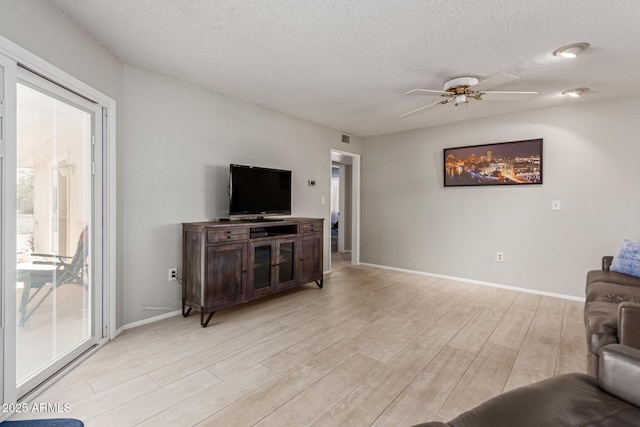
(336, 193)
(345, 205)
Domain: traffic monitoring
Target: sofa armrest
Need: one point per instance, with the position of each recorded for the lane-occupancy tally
(606, 262)
(629, 324)
(620, 372)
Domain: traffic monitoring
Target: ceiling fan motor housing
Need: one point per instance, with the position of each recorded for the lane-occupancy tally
(460, 84)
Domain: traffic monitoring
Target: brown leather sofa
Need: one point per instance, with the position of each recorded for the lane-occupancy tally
(567, 400)
(611, 299)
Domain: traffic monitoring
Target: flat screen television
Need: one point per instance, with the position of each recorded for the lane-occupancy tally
(258, 192)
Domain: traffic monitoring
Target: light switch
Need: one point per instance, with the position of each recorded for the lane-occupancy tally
(323, 200)
(555, 205)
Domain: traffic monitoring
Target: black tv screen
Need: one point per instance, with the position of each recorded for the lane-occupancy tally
(255, 191)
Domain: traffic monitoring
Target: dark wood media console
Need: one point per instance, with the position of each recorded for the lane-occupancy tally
(232, 262)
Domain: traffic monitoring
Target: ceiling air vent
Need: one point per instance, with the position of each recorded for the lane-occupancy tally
(346, 139)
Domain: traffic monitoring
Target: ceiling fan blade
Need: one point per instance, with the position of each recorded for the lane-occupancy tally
(507, 96)
(422, 108)
(493, 81)
(428, 92)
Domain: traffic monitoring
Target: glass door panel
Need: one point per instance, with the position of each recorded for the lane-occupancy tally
(261, 267)
(285, 266)
(55, 298)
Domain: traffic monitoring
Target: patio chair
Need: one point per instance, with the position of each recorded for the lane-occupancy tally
(62, 270)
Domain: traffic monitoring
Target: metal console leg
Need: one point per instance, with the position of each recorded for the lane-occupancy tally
(185, 313)
(202, 322)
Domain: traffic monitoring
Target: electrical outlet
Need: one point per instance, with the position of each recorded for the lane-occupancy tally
(173, 273)
(499, 257)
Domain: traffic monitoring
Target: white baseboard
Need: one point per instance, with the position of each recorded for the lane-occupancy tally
(384, 267)
(478, 282)
(148, 320)
(119, 331)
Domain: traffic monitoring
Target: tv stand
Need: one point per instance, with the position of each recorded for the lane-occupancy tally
(226, 263)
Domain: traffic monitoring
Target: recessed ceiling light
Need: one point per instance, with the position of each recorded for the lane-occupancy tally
(572, 50)
(575, 93)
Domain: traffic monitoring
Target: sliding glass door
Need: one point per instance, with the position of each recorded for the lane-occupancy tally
(58, 281)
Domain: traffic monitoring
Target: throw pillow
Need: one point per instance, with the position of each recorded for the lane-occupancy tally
(627, 260)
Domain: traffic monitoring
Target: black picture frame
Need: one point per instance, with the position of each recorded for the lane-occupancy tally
(503, 163)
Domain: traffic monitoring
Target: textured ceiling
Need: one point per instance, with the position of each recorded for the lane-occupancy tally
(347, 63)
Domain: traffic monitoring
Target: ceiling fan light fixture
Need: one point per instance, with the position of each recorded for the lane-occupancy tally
(571, 51)
(461, 99)
(575, 93)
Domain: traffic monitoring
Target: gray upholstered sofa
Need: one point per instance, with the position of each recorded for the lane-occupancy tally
(612, 299)
(567, 400)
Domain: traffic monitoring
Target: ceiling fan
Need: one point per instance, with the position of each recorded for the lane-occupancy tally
(461, 89)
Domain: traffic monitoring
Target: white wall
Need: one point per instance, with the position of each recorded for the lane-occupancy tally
(175, 143)
(42, 29)
(591, 150)
(179, 142)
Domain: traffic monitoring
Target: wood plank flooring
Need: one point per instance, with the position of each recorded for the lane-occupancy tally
(372, 348)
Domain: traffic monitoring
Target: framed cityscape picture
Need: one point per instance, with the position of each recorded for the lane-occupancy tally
(505, 163)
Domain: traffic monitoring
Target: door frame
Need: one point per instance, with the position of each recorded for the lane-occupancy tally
(342, 172)
(39, 66)
(8, 182)
(355, 203)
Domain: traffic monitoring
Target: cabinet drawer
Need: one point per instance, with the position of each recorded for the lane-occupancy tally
(312, 227)
(231, 235)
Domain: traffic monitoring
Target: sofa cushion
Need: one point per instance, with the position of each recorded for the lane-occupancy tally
(612, 277)
(627, 260)
(611, 292)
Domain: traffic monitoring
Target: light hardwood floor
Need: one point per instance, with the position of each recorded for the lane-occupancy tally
(374, 347)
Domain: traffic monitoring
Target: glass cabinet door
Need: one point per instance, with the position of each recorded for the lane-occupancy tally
(286, 271)
(262, 262)
(285, 265)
